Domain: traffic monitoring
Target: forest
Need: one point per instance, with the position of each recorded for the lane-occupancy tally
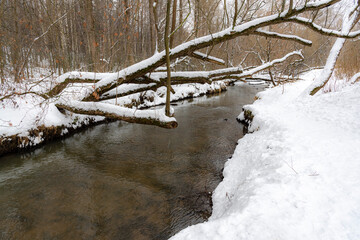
(104, 36)
(128, 71)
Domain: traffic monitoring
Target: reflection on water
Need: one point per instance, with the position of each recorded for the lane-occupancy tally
(120, 180)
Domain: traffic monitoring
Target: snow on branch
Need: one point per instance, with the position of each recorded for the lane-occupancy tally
(267, 65)
(283, 37)
(314, 5)
(153, 117)
(208, 58)
(126, 89)
(355, 78)
(90, 76)
(194, 76)
(74, 77)
(215, 75)
(324, 31)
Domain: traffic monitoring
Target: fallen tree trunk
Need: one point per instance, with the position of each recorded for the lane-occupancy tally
(151, 117)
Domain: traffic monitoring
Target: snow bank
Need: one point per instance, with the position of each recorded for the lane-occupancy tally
(297, 175)
(23, 119)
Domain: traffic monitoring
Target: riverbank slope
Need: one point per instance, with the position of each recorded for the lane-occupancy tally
(296, 176)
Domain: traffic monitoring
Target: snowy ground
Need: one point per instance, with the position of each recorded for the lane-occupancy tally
(297, 176)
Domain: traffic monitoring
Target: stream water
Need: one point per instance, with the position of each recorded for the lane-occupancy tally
(123, 181)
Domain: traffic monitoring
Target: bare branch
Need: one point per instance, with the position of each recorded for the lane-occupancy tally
(324, 31)
(207, 58)
(267, 65)
(23, 93)
(294, 38)
(36, 39)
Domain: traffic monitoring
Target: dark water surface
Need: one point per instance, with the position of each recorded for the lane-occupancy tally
(120, 180)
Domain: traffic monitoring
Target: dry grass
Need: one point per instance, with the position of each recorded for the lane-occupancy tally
(349, 61)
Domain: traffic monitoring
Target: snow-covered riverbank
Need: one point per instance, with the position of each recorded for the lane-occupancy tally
(29, 120)
(297, 176)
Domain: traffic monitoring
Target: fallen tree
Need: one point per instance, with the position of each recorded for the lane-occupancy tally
(152, 117)
(143, 76)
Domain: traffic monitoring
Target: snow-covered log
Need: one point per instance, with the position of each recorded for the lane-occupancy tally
(153, 117)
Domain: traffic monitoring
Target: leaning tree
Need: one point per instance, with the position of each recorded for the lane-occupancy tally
(144, 75)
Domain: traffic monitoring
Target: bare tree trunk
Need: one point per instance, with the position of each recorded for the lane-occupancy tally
(2, 52)
(166, 40)
(92, 44)
(129, 51)
(156, 24)
(235, 13)
(15, 43)
(151, 24)
(226, 15)
(63, 39)
(180, 11)
(196, 18)
(173, 23)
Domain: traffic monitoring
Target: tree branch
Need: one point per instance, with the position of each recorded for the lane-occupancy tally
(294, 38)
(324, 31)
(250, 72)
(207, 58)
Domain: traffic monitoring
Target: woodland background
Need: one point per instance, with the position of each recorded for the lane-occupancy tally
(108, 35)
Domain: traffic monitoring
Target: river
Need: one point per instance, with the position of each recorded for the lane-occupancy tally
(121, 180)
